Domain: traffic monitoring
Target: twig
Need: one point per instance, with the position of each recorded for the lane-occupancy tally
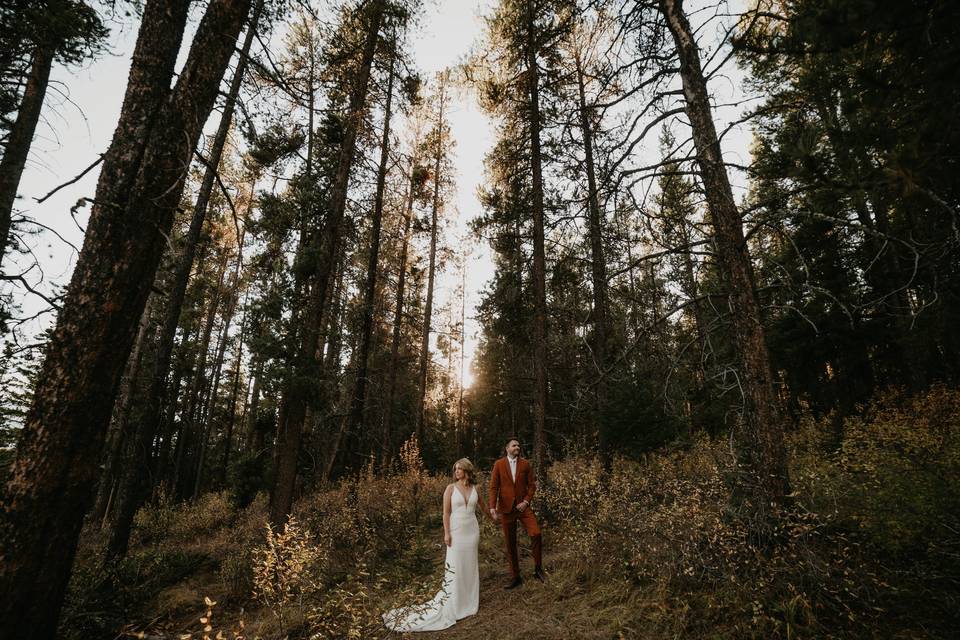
(26, 285)
(74, 180)
(51, 230)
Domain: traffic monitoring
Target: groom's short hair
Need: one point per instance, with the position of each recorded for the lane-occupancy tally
(509, 440)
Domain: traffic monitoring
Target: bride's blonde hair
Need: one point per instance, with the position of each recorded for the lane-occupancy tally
(468, 470)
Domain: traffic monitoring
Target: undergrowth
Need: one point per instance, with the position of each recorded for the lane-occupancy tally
(869, 547)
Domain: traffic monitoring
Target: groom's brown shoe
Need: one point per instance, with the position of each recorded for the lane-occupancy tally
(538, 574)
(516, 583)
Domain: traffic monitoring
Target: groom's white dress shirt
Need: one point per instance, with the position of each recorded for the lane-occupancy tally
(513, 467)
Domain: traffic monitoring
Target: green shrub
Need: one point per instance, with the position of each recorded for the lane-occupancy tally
(900, 470)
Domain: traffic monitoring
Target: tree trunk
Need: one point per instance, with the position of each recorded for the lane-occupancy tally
(109, 481)
(331, 366)
(160, 464)
(461, 432)
(326, 248)
(217, 371)
(21, 137)
(358, 401)
(136, 481)
(431, 273)
(232, 417)
(52, 482)
(539, 253)
(762, 479)
(398, 321)
(137, 484)
(598, 264)
(192, 412)
(623, 229)
(253, 409)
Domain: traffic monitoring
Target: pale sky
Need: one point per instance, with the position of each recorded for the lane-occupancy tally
(83, 106)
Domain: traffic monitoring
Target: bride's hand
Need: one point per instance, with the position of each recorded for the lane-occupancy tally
(446, 539)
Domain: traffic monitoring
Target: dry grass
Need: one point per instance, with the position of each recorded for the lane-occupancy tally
(647, 549)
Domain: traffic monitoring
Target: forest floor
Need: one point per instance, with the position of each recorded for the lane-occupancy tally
(568, 604)
(646, 549)
(161, 588)
(166, 602)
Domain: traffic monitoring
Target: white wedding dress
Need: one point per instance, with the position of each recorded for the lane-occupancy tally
(459, 596)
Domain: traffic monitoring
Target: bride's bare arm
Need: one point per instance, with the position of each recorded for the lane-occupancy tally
(482, 503)
(446, 514)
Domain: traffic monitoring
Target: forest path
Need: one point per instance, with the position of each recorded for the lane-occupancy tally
(565, 606)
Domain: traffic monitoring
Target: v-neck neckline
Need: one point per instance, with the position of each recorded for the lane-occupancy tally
(466, 500)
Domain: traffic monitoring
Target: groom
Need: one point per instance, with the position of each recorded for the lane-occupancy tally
(511, 489)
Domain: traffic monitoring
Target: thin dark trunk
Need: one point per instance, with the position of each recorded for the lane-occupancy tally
(215, 385)
(135, 481)
(21, 136)
(307, 215)
(160, 464)
(431, 273)
(250, 445)
(598, 263)
(331, 365)
(336, 443)
(53, 480)
(539, 252)
(232, 415)
(398, 321)
(123, 407)
(358, 401)
(696, 310)
(758, 440)
(326, 246)
(623, 229)
(195, 392)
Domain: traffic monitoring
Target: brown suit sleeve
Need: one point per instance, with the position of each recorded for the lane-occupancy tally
(531, 484)
(494, 485)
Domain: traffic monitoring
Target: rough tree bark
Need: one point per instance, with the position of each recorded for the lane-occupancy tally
(52, 481)
(136, 484)
(762, 480)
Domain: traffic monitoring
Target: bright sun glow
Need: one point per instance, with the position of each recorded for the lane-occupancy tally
(467, 374)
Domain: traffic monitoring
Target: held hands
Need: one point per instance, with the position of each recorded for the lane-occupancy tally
(494, 515)
(522, 506)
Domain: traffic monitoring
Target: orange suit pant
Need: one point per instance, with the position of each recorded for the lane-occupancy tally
(508, 522)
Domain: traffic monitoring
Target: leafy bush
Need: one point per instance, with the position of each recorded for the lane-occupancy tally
(664, 524)
(899, 471)
(166, 521)
(286, 569)
(370, 518)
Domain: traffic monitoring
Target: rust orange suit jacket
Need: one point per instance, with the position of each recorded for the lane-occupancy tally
(505, 493)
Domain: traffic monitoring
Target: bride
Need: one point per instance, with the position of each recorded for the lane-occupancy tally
(459, 596)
